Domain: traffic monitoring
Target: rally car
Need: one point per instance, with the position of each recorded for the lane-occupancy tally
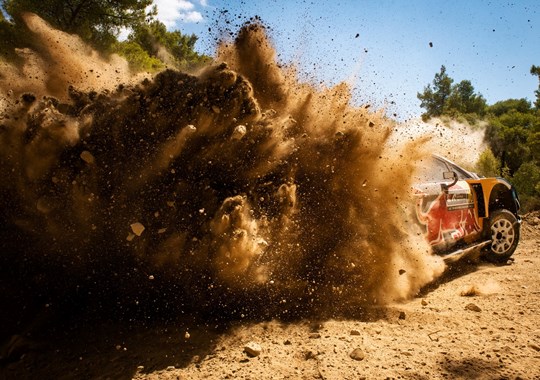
(461, 212)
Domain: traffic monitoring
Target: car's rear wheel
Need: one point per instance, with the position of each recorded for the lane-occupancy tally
(504, 233)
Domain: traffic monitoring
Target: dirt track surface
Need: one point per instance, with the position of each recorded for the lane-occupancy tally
(479, 321)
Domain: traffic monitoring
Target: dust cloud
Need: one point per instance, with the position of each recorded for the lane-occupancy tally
(56, 61)
(238, 185)
(459, 142)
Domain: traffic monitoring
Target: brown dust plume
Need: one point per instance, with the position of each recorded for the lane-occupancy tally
(238, 184)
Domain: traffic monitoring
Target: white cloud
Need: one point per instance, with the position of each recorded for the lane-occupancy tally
(192, 17)
(204, 3)
(172, 11)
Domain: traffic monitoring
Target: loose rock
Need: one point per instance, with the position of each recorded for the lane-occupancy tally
(473, 307)
(357, 354)
(310, 355)
(253, 349)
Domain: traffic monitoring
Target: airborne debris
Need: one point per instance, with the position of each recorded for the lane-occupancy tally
(87, 157)
(238, 132)
(137, 228)
(243, 176)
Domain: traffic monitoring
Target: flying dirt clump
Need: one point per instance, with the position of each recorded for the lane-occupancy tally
(238, 181)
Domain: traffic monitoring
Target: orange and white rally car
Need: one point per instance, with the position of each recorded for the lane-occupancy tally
(461, 212)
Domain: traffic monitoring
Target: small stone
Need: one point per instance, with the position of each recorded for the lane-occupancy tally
(252, 349)
(357, 354)
(314, 336)
(355, 332)
(473, 307)
(287, 342)
(402, 315)
(310, 355)
(87, 157)
(239, 132)
(137, 228)
(424, 303)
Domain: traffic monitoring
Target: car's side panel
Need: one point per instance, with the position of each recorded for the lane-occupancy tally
(448, 216)
(487, 185)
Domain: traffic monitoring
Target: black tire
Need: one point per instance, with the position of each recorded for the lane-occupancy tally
(504, 233)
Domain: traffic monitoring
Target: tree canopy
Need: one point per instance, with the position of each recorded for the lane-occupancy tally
(150, 46)
(171, 48)
(446, 98)
(95, 21)
(434, 99)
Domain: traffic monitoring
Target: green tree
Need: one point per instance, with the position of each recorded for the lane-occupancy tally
(433, 100)
(97, 22)
(508, 136)
(513, 133)
(535, 70)
(463, 100)
(150, 46)
(138, 58)
(527, 182)
(527, 179)
(454, 100)
(505, 106)
(173, 48)
(488, 165)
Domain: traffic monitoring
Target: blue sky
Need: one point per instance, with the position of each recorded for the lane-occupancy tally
(491, 43)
